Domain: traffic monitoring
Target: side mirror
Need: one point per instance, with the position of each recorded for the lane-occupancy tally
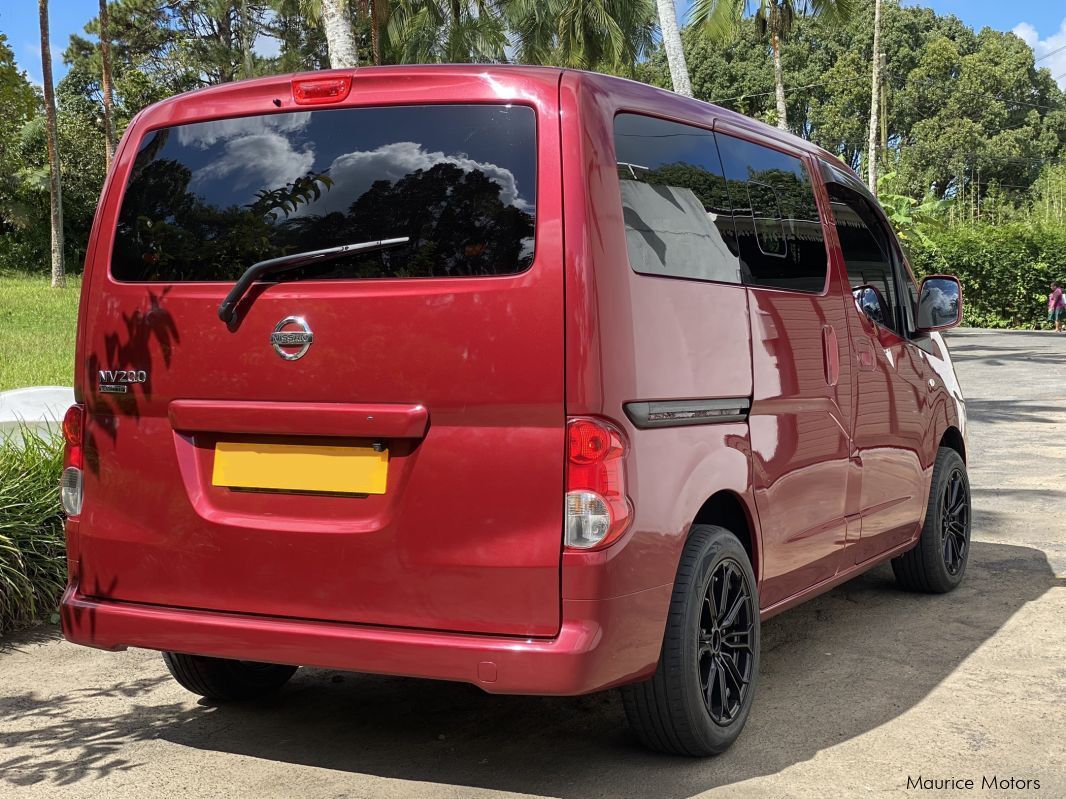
(939, 303)
(868, 298)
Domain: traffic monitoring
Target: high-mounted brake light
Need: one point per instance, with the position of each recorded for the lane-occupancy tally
(318, 91)
(71, 485)
(597, 509)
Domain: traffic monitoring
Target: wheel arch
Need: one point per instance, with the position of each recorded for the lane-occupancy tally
(953, 439)
(727, 509)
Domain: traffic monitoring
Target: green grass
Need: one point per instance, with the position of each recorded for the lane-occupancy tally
(37, 331)
(33, 566)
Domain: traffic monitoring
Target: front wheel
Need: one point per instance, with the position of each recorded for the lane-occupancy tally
(226, 680)
(697, 701)
(937, 564)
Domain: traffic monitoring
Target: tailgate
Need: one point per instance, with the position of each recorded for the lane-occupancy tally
(405, 468)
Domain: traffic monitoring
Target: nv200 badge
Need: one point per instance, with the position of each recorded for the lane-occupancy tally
(118, 381)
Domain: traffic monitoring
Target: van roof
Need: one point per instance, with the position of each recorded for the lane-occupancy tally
(219, 95)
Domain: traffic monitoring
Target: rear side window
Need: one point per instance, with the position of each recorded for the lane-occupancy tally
(778, 231)
(675, 204)
(207, 200)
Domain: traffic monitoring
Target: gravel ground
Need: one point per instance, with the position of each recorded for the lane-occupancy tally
(861, 688)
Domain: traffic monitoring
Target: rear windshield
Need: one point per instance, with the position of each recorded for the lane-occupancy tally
(205, 201)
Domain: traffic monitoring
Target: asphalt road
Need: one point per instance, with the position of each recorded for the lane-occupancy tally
(860, 689)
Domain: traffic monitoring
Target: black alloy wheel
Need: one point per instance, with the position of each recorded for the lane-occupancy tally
(698, 699)
(937, 563)
(955, 522)
(726, 655)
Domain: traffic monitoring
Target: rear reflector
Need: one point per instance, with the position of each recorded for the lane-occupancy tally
(597, 510)
(319, 91)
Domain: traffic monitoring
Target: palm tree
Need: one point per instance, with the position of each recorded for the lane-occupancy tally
(675, 53)
(337, 24)
(871, 151)
(247, 37)
(447, 31)
(55, 186)
(586, 34)
(106, 85)
(721, 18)
(377, 12)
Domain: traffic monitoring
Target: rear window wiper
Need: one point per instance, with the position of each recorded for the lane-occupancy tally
(227, 310)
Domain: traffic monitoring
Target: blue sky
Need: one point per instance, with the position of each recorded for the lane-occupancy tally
(1041, 23)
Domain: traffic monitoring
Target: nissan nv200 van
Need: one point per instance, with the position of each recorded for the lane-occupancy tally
(536, 379)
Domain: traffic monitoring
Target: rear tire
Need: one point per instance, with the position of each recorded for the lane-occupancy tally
(697, 701)
(226, 680)
(938, 563)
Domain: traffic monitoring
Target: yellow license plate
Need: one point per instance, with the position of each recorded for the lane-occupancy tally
(299, 467)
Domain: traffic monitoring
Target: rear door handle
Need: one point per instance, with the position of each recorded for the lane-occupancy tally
(831, 353)
(344, 420)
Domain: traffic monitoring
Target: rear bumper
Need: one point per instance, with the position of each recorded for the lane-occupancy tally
(602, 643)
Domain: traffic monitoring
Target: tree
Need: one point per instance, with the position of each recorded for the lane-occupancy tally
(448, 31)
(376, 13)
(875, 90)
(966, 111)
(976, 113)
(605, 35)
(55, 186)
(772, 17)
(21, 104)
(247, 37)
(214, 38)
(148, 59)
(106, 84)
(295, 25)
(675, 53)
(337, 23)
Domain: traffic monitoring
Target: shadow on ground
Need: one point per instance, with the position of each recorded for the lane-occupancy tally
(23, 639)
(994, 411)
(832, 670)
(1039, 348)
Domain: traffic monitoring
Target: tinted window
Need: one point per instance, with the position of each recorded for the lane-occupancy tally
(206, 200)
(778, 232)
(912, 296)
(866, 250)
(674, 200)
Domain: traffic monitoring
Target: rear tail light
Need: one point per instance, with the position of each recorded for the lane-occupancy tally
(318, 91)
(597, 508)
(70, 483)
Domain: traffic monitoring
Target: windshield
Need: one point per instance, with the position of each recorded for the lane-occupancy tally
(207, 200)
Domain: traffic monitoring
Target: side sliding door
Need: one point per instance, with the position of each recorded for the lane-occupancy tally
(801, 405)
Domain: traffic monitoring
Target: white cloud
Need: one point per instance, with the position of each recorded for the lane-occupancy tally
(204, 134)
(1027, 33)
(256, 152)
(356, 171)
(257, 160)
(1055, 61)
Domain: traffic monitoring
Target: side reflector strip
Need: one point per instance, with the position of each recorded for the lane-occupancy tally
(679, 413)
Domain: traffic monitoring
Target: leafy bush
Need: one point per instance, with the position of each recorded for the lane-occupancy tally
(32, 547)
(1006, 269)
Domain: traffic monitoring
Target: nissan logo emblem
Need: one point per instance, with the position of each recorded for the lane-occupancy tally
(284, 341)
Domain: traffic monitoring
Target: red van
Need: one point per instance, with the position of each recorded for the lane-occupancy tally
(540, 380)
